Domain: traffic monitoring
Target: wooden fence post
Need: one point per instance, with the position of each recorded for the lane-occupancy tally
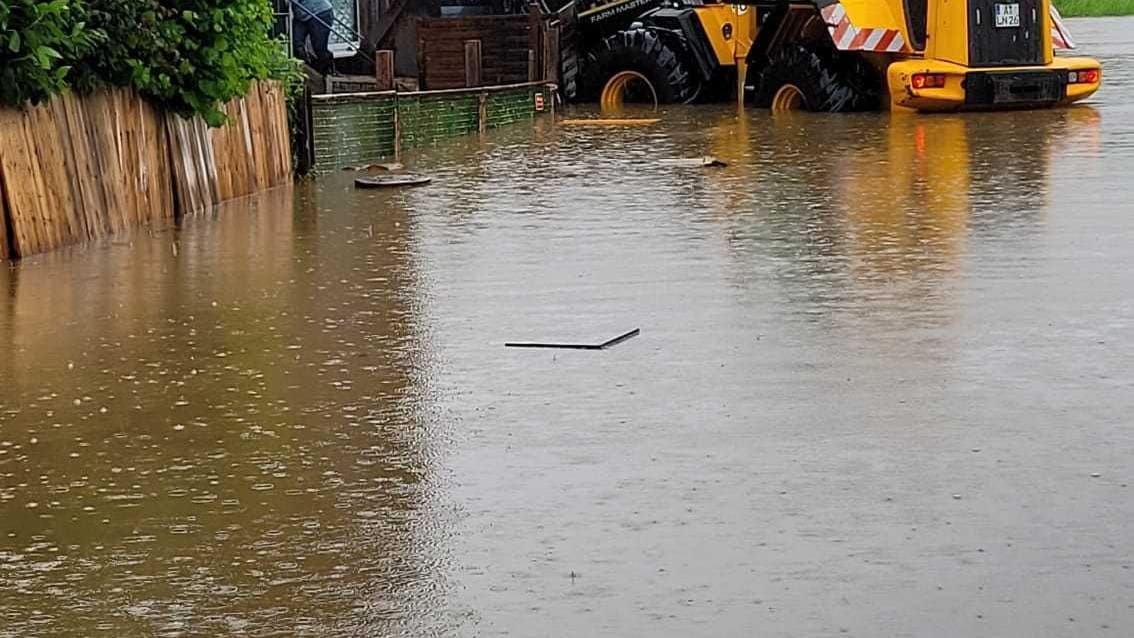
(482, 113)
(472, 63)
(397, 128)
(384, 69)
(4, 222)
(551, 54)
(304, 143)
(534, 46)
(421, 79)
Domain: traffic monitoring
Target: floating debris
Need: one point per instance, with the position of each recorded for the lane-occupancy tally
(580, 346)
(388, 167)
(707, 161)
(637, 121)
(388, 181)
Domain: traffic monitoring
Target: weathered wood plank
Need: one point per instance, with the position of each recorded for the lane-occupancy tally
(102, 109)
(86, 189)
(60, 222)
(472, 63)
(17, 167)
(4, 251)
(384, 69)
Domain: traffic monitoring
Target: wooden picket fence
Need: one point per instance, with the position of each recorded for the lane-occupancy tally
(250, 154)
(82, 167)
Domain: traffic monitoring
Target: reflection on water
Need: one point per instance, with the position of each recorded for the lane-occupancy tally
(885, 214)
(294, 416)
(221, 436)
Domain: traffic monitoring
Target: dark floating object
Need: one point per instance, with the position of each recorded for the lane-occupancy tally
(389, 181)
(580, 346)
(388, 167)
(707, 161)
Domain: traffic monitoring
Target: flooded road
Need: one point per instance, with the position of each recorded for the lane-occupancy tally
(883, 388)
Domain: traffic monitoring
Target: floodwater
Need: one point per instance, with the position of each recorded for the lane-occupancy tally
(884, 387)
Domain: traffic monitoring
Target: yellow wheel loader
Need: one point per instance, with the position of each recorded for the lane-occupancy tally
(838, 55)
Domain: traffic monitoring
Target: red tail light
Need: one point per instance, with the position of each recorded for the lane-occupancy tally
(1086, 76)
(928, 80)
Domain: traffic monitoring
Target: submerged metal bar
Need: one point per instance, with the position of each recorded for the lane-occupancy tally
(564, 346)
(580, 346)
(622, 337)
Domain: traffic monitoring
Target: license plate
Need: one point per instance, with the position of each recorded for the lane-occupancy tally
(1022, 87)
(1007, 15)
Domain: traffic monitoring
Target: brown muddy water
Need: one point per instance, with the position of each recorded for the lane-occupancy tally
(884, 387)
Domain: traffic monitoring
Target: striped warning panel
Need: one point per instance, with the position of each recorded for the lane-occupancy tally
(1060, 37)
(848, 37)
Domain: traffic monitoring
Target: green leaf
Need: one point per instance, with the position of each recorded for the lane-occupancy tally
(14, 42)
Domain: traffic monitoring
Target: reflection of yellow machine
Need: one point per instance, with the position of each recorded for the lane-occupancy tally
(907, 197)
(911, 195)
(847, 55)
(895, 196)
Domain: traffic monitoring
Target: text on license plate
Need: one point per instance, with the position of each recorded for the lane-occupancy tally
(1007, 15)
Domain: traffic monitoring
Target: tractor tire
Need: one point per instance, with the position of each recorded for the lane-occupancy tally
(829, 81)
(658, 55)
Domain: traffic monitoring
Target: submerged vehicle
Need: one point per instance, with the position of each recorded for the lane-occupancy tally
(831, 55)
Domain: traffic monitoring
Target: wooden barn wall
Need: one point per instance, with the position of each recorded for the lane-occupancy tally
(505, 42)
(82, 167)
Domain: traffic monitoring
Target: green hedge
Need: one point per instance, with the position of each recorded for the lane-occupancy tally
(39, 41)
(1082, 8)
(189, 56)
